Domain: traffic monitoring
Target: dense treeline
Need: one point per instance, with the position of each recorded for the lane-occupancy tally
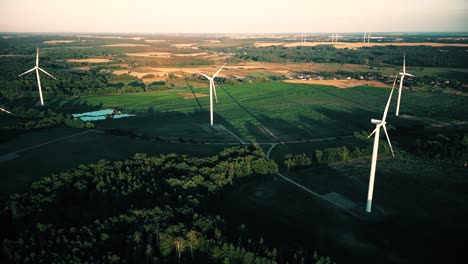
(450, 148)
(68, 82)
(141, 210)
(329, 156)
(27, 119)
(447, 144)
(420, 56)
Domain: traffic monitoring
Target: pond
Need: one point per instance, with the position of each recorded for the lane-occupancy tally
(100, 115)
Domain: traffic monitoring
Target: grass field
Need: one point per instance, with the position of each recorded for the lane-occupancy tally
(265, 113)
(274, 112)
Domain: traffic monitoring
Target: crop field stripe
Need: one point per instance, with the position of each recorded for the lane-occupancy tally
(52, 141)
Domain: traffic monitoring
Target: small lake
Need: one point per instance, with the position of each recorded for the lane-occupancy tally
(100, 115)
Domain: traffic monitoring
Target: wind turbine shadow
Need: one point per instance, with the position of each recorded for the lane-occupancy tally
(194, 94)
(241, 106)
(343, 98)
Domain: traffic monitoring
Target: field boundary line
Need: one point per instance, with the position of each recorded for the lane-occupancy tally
(301, 186)
(321, 197)
(55, 140)
(238, 138)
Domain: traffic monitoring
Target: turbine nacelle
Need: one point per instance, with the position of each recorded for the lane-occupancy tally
(406, 74)
(376, 121)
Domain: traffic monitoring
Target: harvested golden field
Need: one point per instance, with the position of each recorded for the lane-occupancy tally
(150, 54)
(90, 60)
(126, 45)
(140, 72)
(183, 45)
(84, 68)
(190, 54)
(268, 44)
(58, 41)
(341, 83)
(238, 70)
(155, 40)
(166, 54)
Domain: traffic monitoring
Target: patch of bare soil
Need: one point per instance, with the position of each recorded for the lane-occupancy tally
(58, 41)
(192, 96)
(341, 83)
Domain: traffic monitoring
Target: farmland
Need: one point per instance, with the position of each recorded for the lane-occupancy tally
(274, 101)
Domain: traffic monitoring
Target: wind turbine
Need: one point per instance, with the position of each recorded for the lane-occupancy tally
(364, 38)
(368, 38)
(403, 74)
(212, 89)
(378, 125)
(37, 69)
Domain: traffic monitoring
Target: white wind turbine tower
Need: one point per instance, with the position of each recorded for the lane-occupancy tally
(336, 38)
(364, 38)
(37, 69)
(212, 89)
(403, 74)
(368, 38)
(378, 125)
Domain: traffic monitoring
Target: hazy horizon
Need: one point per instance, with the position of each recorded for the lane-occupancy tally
(242, 16)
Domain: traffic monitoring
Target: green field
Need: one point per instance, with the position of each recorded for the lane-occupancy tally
(265, 113)
(276, 111)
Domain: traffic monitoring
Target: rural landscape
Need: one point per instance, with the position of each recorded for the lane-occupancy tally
(233, 147)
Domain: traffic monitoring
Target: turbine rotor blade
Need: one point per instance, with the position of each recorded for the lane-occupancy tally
(388, 139)
(37, 57)
(6, 111)
(28, 71)
(404, 63)
(370, 135)
(214, 75)
(206, 76)
(214, 90)
(47, 73)
(389, 99)
(407, 74)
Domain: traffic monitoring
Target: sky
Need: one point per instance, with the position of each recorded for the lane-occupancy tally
(239, 16)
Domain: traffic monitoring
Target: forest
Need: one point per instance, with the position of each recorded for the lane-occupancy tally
(141, 210)
(420, 56)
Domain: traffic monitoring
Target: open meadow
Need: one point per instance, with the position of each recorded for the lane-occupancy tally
(277, 111)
